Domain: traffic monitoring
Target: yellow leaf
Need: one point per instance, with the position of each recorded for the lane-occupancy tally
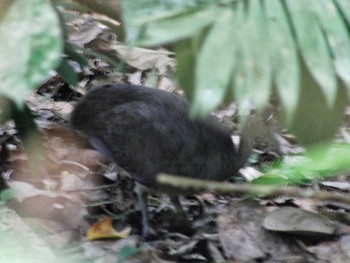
(103, 229)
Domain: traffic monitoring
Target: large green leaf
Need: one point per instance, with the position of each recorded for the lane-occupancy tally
(252, 75)
(337, 36)
(31, 46)
(263, 43)
(284, 58)
(240, 84)
(258, 56)
(314, 121)
(186, 64)
(344, 6)
(313, 47)
(153, 23)
(215, 64)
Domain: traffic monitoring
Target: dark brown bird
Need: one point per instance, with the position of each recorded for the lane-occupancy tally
(148, 131)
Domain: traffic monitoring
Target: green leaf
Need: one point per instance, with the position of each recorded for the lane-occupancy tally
(30, 137)
(137, 13)
(6, 195)
(31, 46)
(322, 162)
(185, 66)
(252, 75)
(313, 47)
(68, 73)
(270, 179)
(128, 251)
(179, 26)
(314, 121)
(344, 6)
(215, 64)
(284, 58)
(258, 56)
(240, 84)
(337, 36)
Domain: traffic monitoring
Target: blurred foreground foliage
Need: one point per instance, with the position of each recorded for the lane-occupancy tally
(250, 50)
(321, 163)
(31, 47)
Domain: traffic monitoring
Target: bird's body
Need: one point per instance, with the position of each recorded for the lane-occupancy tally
(148, 131)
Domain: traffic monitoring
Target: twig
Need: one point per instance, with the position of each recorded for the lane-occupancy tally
(199, 185)
(96, 188)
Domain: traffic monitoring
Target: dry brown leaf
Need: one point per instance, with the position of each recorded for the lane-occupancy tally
(104, 229)
(145, 59)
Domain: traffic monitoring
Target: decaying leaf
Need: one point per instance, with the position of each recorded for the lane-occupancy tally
(298, 221)
(144, 59)
(244, 239)
(104, 229)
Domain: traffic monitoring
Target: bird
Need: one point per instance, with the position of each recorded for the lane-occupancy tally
(148, 131)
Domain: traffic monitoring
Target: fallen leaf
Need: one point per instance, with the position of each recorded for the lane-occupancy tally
(344, 186)
(298, 221)
(145, 59)
(244, 239)
(104, 229)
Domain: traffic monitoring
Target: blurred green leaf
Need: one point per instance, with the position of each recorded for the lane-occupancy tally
(127, 251)
(258, 68)
(6, 195)
(270, 178)
(155, 23)
(313, 47)
(321, 163)
(215, 64)
(337, 36)
(186, 63)
(284, 58)
(314, 120)
(31, 46)
(31, 139)
(297, 47)
(68, 73)
(72, 51)
(344, 6)
(240, 85)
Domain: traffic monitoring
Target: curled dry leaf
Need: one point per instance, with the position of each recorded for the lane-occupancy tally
(85, 31)
(103, 229)
(59, 108)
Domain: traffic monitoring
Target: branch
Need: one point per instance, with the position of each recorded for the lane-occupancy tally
(199, 185)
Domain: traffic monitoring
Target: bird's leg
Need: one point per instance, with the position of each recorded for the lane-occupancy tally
(142, 195)
(174, 199)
